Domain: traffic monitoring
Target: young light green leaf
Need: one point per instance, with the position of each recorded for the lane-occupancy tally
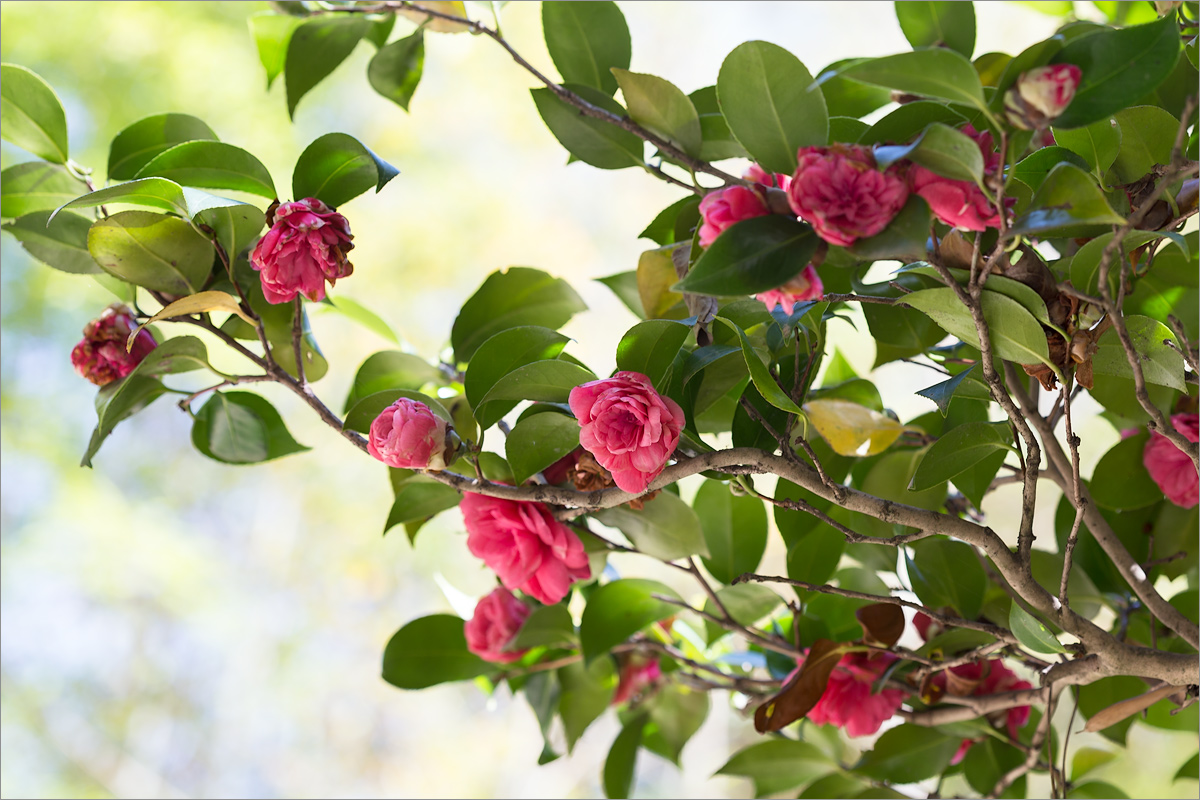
(35, 186)
(156, 251)
(31, 116)
(938, 24)
(1031, 633)
(1097, 143)
(661, 107)
(61, 243)
(271, 33)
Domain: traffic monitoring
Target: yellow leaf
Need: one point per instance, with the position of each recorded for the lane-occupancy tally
(655, 276)
(436, 25)
(851, 429)
(196, 304)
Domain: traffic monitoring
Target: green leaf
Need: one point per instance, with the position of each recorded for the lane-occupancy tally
(390, 369)
(356, 311)
(666, 528)
(937, 73)
(31, 115)
(1068, 203)
(242, 428)
(118, 401)
(1087, 759)
(624, 286)
(157, 193)
(585, 41)
(1095, 789)
(586, 693)
(898, 331)
(763, 380)
(500, 355)
(537, 442)
(367, 408)
(752, 256)
(908, 121)
(271, 33)
(180, 354)
(431, 650)
(1147, 136)
(380, 30)
(813, 556)
(509, 299)
(943, 572)
(1085, 265)
(1120, 480)
(747, 603)
(156, 251)
(676, 713)
(734, 528)
(621, 763)
(138, 144)
(650, 348)
(1097, 143)
(543, 381)
(1033, 169)
(61, 244)
(336, 168)
(211, 165)
(942, 393)
(835, 784)
(663, 229)
(1015, 334)
(619, 609)
(768, 98)
(958, 451)
(1119, 67)
(1191, 769)
(316, 48)
(903, 239)
(660, 106)
(1031, 632)
(396, 69)
(419, 498)
(1161, 364)
(35, 186)
(847, 98)
(719, 142)
(938, 24)
(987, 762)
(593, 141)
(547, 625)
(278, 321)
(941, 149)
(908, 753)
(777, 765)
(234, 226)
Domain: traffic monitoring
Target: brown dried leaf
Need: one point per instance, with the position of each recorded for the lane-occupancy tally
(883, 623)
(800, 694)
(1127, 708)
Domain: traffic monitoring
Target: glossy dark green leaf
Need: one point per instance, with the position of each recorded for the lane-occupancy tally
(500, 355)
(396, 69)
(735, 530)
(1119, 66)
(431, 650)
(234, 227)
(1095, 790)
(211, 165)
(768, 98)
(585, 41)
(138, 144)
(380, 30)
(1097, 144)
(390, 369)
(1147, 136)
(621, 763)
(316, 48)
(619, 609)
(763, 380)
(271, 33)
(987, 762)
(719, 142)
(907, 121)
(847, 98)
(665, 528)
(662, 108)
(908, 753)
(179, 354)
(943, 572)
(118, 401)
(1120, 480)
(1031, 632)
(336, 168)
(516, 297)
(814, 555)
(624, 286)
(938, 24)
(156, 251)
(777, 765)
(35, 186)
(663, 228)
(1161, 363)
(1015, 334)
(538, 441)
(543, 381)
(419, 498)
(752, 256)
(942, 393)
(936, 73)
(242, 428)
(547, 625)
(1033, 169)
(592, 141)
(941, 149)
(586, 693)
(958, 451)
(61, 244)
(899, 331)
(1190, 769)
(650, 348)
(31, 115)
(1068, 203)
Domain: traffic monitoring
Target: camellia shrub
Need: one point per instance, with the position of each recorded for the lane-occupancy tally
(1040, 210)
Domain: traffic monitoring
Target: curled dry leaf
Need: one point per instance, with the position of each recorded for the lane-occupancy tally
(883, 623)
(1127, 708)
(197, 304)
(802, 692)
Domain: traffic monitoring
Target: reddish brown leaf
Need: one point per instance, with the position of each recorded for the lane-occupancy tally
(882, 623)
(800, 694)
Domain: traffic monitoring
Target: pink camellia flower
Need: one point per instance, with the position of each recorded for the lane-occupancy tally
(848, 702)
(408, 435)
(774, 180)
(1041, 94)
(720, 209)
(497, 620)
(839, 192)
(927, 626)
(805, 286)
(526, 546)
(306, 246)
(637, 675)
(959, 204)
(987, 677)
(631, 429)
(1170, 467)
(103, 355)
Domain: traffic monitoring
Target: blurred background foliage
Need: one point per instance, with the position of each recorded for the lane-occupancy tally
(176, 627)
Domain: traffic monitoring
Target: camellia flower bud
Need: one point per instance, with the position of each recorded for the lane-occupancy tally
(1170, 467)
(802, 288)
(497, 620)
(408, 435)
(1041, 94)
(104, 355)
(306, 246)
(842, 195)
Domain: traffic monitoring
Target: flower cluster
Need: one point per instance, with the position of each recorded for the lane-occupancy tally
(104, 354)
